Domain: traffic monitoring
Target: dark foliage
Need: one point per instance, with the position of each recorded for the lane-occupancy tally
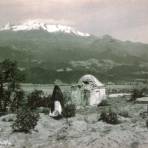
(69, 110)
(137, 93)
(109, 117)
(143, 115)
(26, 120)
(37, 99)
(5, 100)
(9, 78)
(104, 103)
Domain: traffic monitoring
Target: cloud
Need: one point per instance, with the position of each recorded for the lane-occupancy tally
(122, 18)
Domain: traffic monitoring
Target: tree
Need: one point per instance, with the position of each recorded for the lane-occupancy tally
(9, 78)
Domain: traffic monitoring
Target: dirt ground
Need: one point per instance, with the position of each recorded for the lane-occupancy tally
(82, 131)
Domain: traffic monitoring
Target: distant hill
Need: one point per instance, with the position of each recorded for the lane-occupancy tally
(49, 52)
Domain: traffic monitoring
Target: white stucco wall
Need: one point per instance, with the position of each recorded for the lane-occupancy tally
(90, 93)
(96, 96)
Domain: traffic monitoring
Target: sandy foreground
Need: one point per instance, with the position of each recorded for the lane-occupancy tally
(82, 131)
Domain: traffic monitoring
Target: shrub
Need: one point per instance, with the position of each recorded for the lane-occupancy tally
(137, 93)
(143, 115)
(4, 101)
(11, 101)
(69, 110)
(109, 117)
(25, 120)
(37, 99)
(104, 103)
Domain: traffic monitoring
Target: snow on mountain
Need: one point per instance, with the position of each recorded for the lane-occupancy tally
(35, 25)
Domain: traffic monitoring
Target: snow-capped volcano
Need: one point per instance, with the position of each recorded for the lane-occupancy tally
(35, 25)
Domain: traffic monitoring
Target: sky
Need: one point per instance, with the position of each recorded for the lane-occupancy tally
(122, 19)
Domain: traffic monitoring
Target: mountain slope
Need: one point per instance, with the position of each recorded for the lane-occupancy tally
(64, 53)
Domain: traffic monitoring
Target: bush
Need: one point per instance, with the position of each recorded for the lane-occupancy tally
(25, 120)
(137, 93)
(69, 110)
(143, 115)
(4, 101)
(109, 117)
(37, 99)
(104, 103)
(11, 101)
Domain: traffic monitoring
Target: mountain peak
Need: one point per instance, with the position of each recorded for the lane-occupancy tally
(37, 25)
